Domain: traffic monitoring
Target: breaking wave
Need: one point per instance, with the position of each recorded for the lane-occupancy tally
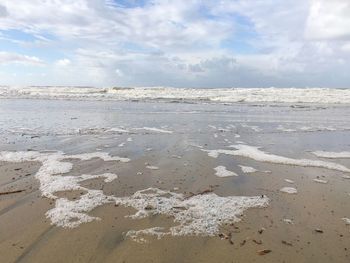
(191, 95)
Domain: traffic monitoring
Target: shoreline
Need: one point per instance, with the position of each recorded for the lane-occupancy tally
(167, 155)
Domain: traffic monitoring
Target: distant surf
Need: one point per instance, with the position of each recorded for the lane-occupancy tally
(191, 95)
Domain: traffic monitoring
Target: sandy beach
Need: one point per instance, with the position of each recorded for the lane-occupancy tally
(157, 131)
(121, 181)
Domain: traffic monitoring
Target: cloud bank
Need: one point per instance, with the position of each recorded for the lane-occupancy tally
(192, 43)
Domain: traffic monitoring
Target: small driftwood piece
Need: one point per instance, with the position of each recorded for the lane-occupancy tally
(11, 192)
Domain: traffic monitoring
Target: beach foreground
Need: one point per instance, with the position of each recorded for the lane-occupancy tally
(109, 181)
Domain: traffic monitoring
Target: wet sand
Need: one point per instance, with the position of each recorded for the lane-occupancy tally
(26, 235)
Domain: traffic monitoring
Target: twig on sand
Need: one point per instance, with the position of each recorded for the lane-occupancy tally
(12, 192)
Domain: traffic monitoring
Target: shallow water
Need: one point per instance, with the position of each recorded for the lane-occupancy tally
(87, 126)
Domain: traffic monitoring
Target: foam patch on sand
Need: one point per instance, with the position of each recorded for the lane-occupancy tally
(346, 220)
(289, 190)
(256, 154)
(137, 236)
(152, 167)
(221, 171)
(320, 181)
(66, 213)
(332, 155)
(201, 214)
(196, 215)
(289, 181)
(70, 214)
(248, 169)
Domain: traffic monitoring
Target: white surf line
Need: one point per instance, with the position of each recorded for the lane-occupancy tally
(320, 181)
(248, 169)
(282, 128)
(221, 171)
(195, 145)
(254, 153)
(331, 155)
(198, 215)
(66, 213)
(118, 130)
(253, 127)
(289, 190)
(153, 129)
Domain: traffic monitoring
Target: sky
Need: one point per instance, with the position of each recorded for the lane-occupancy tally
(182, 43)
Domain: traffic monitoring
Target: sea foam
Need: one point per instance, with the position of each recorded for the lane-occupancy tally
(201, 214)
(251, 95)
(332, 155)
(197, 215)
(255, 153)
(221, 171)
(66, 213)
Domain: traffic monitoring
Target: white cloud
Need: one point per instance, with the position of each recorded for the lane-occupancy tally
(63, 62)
(3, 11)
(159, 24)
(118, 72)
(8, 58)
(346, 47)
(329, 20)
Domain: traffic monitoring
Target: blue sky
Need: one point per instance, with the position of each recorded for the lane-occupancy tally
(184, 43)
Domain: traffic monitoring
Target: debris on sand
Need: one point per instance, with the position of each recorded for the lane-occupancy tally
(286, 243)
(261, 230)
(258, 242)
(288, 221)
(318, 230)
(263, 252)
(11, 192)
